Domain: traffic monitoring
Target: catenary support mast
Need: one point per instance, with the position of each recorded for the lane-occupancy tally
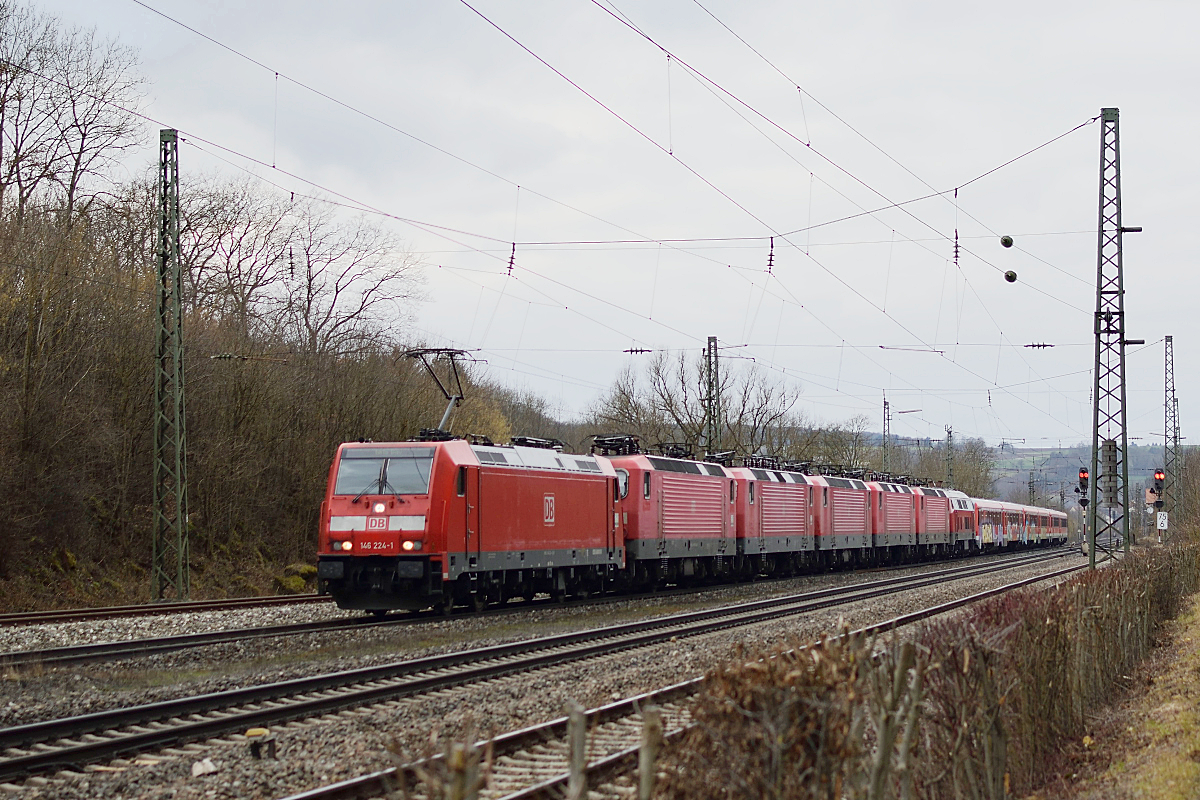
(170, 576)
(1170, 433)
(1110, 483)
(713, 421)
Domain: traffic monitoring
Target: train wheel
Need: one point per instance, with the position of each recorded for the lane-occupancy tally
(446, 605)
(478, 602)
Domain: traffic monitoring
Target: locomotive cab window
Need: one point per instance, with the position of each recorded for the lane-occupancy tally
(732, 491)
(646, 485)
(622, 482)
(384, 470)
(824, 495)
(751, 495)
(461, 488)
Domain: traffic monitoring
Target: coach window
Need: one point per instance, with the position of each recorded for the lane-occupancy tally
(646, 485)
(751, 493)
(462, 481)
(622, 482)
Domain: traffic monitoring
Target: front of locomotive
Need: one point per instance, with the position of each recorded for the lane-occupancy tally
(378, 546)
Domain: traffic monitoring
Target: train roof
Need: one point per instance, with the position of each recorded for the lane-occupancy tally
(461, 452)
(539, 458)
(682, 465)
(772, 475)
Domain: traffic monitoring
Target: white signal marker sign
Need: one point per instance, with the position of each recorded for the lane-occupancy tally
(1162, 520)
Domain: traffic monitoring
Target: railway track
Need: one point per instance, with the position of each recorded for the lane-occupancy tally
(153, 609)
(70, 743)
(534, 763)
(132, 648)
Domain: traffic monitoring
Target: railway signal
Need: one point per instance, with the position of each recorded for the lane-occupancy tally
(1159, 477)
(1082, 488)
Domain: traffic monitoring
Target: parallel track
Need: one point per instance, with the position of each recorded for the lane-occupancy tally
(154, 609)
(109, 651)
(522, 759)
(69, 743)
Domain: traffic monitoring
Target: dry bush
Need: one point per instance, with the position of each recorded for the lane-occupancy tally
(973, 708)
(788, 726)
(1019, 675)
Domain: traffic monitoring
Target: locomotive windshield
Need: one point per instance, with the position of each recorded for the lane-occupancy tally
(389, 470)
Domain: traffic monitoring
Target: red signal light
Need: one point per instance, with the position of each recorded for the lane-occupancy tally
(1160, 475)
(1083, 474)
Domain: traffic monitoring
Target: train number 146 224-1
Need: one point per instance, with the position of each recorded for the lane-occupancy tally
(377, 545)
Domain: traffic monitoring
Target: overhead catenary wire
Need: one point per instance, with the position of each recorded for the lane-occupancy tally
(464, 233)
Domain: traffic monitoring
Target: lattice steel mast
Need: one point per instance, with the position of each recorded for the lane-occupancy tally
(712, 400)
(949, 457)
(1180, 465)
(1170, 431)
(886, 465)
(1109, 432)
(170, 575)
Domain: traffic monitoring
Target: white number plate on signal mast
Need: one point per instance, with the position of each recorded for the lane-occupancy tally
(376, 544)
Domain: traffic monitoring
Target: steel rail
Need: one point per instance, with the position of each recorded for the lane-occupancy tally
(154, 609)
(130, 648)
(233, 710)
(624, 761)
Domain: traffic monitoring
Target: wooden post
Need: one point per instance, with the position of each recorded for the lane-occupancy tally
(577, 739)
(652, 734)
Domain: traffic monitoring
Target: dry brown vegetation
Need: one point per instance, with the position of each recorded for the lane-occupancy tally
(296, 317)
(978, 706)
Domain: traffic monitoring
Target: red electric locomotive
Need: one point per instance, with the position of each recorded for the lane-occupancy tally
(678, 517)
(413, 524)
(774, 521)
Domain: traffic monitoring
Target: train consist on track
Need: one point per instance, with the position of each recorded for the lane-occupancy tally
(409, 525)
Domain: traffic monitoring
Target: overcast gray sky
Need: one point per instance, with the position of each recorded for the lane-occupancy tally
(938, 92)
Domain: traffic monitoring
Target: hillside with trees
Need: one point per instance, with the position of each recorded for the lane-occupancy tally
(297, 316)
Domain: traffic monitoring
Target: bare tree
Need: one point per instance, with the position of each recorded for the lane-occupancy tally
(347, 282)
(68, 104)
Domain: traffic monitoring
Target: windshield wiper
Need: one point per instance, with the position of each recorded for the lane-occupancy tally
(382, 483)
(395, 494)
(370, 486)
(379, 481)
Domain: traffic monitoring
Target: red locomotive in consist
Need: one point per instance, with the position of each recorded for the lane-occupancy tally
(414, 524)
(409, 525)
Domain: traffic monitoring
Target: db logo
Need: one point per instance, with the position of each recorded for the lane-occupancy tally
(548, 509)
(377, 523)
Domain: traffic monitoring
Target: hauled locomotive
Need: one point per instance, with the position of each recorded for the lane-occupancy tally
(409, 525)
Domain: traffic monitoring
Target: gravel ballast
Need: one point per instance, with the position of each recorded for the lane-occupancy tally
(352, 743)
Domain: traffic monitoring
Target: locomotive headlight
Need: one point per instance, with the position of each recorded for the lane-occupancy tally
(380, 508)
(335, 545)
(347, 545)
(409, 545)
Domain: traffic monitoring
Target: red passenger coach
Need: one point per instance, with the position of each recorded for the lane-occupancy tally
(413, 524)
